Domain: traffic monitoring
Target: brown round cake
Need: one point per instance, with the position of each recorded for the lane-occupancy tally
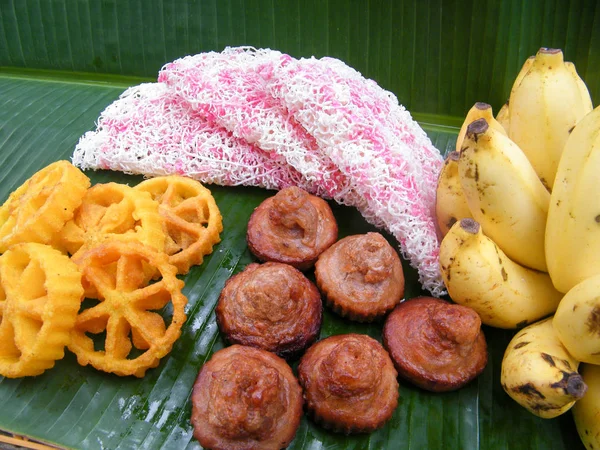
(349, 383)
(437, 345)
(361, 277)
(272, 306)
(246, 398)
(292, 227)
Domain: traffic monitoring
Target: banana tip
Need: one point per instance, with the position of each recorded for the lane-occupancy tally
(454, 156)
(477, 127)
(482, 106)
(576, 387)
(550, 51)
(469, 225)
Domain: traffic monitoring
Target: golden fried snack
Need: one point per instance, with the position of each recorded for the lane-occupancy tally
(40, 207)
(361, 277)
(349, 383)
(246, 398)
(437, 345)
(40, 294)
(113, 211)
(192, 219)
(127, 304)
(292, 227)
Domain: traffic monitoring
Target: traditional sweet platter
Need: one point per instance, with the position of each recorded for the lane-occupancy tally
(128, 213)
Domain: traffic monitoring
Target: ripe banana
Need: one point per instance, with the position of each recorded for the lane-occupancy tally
(450, 203)
(543, 109)
(524, 69)
(479, 275)
(577, 320)
(479, 110)
(504, 194)
(573, 226)
(583, 89)
(502, 117)
(586, 411)
(538, 372)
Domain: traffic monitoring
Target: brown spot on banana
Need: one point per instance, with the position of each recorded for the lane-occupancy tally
(504, 274)
(529, 390)
(593, 321)
(522, 324)
(549, 359)
(597, 218)
(451, 222)
(521, 344)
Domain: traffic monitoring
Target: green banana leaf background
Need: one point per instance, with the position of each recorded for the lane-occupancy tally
(63, 61)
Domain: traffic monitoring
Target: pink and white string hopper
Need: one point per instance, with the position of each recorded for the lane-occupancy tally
(262, 118)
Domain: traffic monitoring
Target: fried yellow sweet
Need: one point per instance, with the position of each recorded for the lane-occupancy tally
(192, 219)
(40, 294)
(40, 207)
(137, 336)
(112, 211)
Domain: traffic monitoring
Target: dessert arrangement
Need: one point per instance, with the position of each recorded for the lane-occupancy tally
(506, 225)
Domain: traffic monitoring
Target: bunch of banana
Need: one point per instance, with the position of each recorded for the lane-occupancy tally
(519, 208)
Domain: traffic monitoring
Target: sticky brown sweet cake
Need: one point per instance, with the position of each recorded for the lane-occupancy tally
(292, 227)
(437, 345)
(246, 398)
(361, 277)
(272, 306)
(349, 383)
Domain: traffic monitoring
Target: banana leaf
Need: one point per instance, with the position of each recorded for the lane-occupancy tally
(63, 61)
(79, 407)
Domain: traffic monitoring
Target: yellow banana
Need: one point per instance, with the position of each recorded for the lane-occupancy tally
(577, 320)
(583, 89)
(479, 110)
(539, 373)
(586, 411)
(450, 203)
(524, 69)
(502, 117)
(504, 194)
(573, 226)
(543, 109)
(479, 275)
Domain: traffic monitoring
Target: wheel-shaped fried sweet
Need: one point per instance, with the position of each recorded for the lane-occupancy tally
(40, 207)
(192, 219)
(40, 294)
(128, 306)
(113, 211)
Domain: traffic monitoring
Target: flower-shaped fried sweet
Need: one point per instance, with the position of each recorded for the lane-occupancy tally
(192, 219)
(113, 211)
(128, 306)
(40, 207)
(40, 294)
